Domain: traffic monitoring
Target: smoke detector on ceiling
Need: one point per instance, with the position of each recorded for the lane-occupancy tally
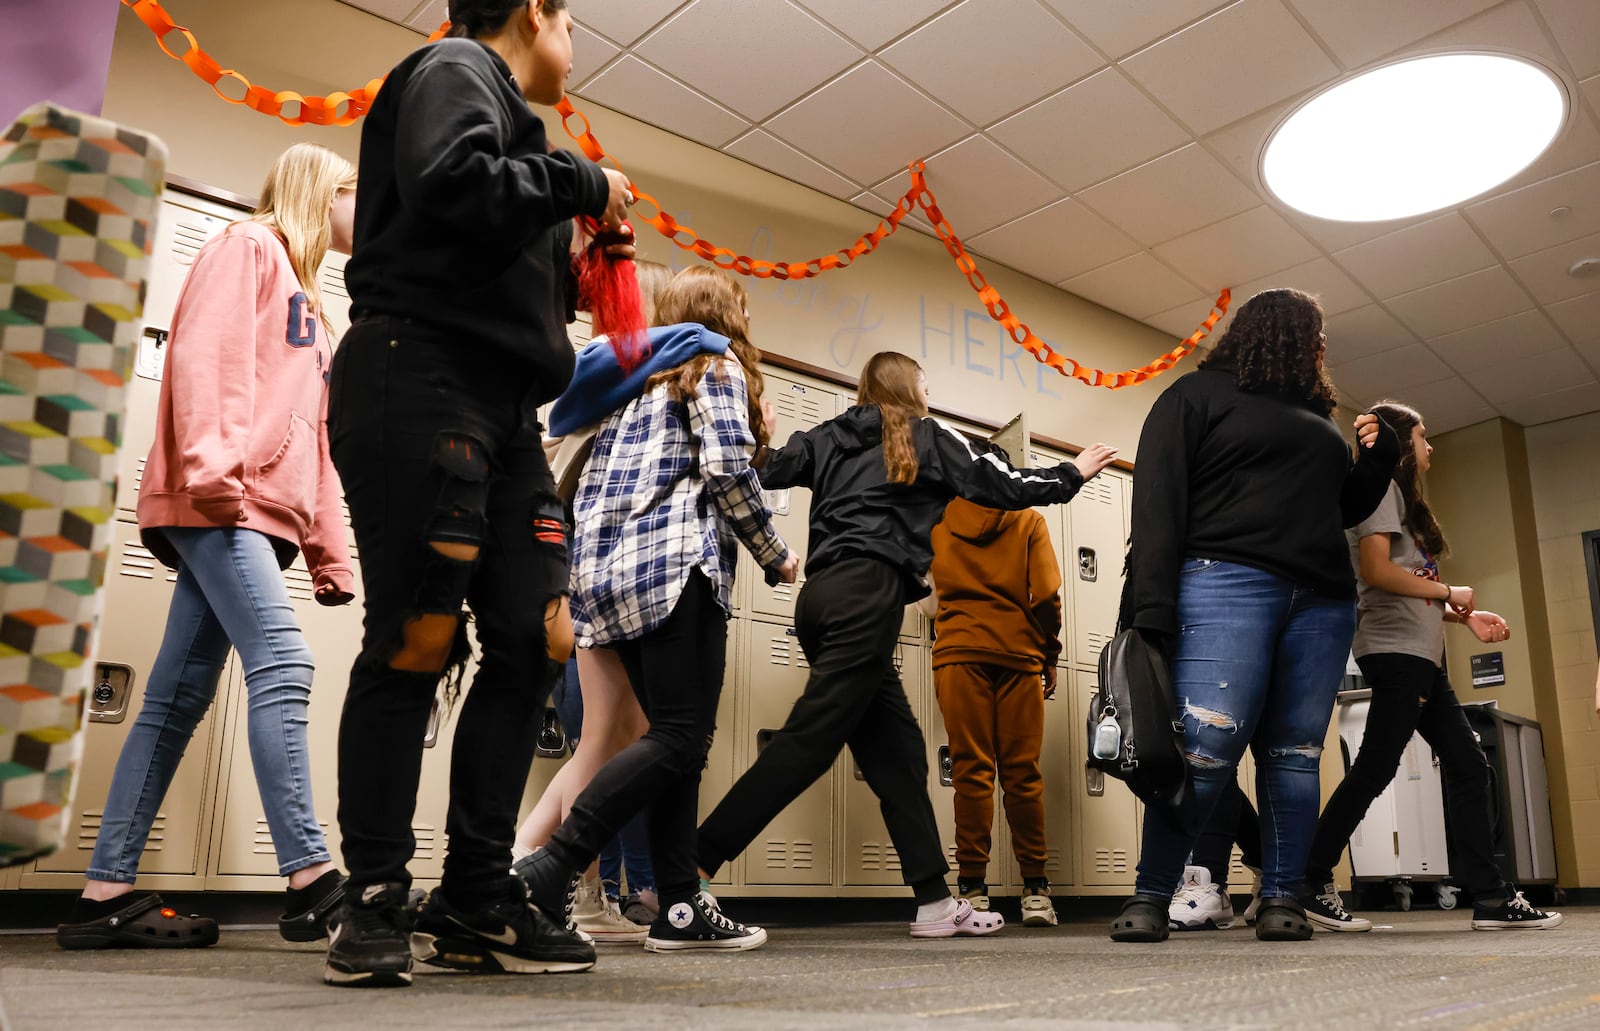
(1584, 268)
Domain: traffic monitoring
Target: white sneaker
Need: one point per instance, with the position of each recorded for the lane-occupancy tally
(1255, 895)
(1200, 905)
(599, 919)
(1038, 911)
(1326, 912)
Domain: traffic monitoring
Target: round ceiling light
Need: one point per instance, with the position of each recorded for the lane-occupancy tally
(1414, 136)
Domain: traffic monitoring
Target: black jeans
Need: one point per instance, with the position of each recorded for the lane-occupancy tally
(436, 440)
(1410, 694)
(1233, 820)
(676, 671)
(847, 619)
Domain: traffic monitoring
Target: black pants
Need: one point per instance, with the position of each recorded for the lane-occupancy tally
(676, 671)
(436, 440)
(847, 619)
(1233, 820)
(1409, 695)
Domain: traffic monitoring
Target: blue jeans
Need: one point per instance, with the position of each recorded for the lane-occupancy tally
(1258, 663)
(630, 849)
(230, 592)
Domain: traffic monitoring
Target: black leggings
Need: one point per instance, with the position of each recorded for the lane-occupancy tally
(1233, 820)
(676, 671)
(1411, 694)
(847, 620)
(436, 440)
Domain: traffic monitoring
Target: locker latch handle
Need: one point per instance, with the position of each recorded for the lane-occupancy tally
(552, 742)
(1094, 782)
(113, 686)
(430, 736)
(947, 770)
(1088, 565)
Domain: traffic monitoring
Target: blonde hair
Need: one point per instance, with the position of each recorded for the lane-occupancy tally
(295, 202)
(716, 301)
(653, 278)
(890, 382)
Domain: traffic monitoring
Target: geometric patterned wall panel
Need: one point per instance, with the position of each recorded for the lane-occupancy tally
(78, 200)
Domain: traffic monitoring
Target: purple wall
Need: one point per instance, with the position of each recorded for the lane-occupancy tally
(57, 50)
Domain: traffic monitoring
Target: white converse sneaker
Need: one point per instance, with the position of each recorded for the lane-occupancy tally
(599, 918)
(1326, 911)
(962, 921)
(1200, 905)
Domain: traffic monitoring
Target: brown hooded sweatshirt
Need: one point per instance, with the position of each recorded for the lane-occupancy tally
(999, 586)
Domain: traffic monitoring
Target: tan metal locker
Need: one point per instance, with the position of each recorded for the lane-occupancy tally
(138, 591)
(1055, 519)
(1094, 565)
(797, 846)
(1108, 823)
(1063, 773)
(869, 856)
(718, 775)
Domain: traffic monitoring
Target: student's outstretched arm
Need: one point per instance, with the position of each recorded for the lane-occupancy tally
(720, 421)
(946, 457)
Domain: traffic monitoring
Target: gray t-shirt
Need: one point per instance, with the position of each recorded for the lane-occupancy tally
(1393, 622)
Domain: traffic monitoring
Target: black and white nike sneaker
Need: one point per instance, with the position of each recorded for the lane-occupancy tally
(697, 923)
(508, 937)
(369, 939)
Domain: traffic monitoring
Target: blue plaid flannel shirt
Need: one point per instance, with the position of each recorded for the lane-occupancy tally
(668, 489)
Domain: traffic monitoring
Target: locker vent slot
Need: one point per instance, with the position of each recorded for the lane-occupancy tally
(877, 857)
(1096, 641)
(1098, 491)
(785, 651)
(790, 855)
(1111, 860)
(333, 282)
(262, 846)
(137, 562)
(1052, 865)
(89, 831)
(187, 240)
(799, 404)
(427, 841)
(300, 584)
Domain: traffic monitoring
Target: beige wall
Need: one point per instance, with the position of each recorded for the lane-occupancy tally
(908, 296)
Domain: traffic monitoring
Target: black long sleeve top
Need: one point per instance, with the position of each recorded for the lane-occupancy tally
(463, 213)
(1254, 479)
(857, 512)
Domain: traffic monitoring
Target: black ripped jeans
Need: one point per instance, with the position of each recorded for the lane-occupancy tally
(436, 440)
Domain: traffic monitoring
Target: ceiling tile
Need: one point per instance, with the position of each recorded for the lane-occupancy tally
(881, 208)
(1319, 277)
(1591, 90)
(1562, 404)
(645, 93)
(428, 17)
(1358, 31)
(1363, 331)
(1121, 28)
(1590, 350)
(1064, 240)
(874, 24)
(1545, 272)
(1127, 130)
(624, 20)
(771, 153)
(392, 10)
(1170, 196)
(1136, 286)
(767, 54)
(1025, 52)
(1185, 318)
(905, 124)
(1439, 425)
(589, 55)
(1512, 381)
(1459, 303)
(1443, 401)
(1520, 222)
(1188, 73)
(1410, 259)
(1521, 336)
(1377, 376)
(1334, 236)
(1507, 27)
(1576, 26)
(979, 186)
(1578, 317)
(1236, 250)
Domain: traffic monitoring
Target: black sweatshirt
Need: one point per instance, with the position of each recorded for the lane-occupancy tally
(462, 213)
(855, 510)
(1248, 478)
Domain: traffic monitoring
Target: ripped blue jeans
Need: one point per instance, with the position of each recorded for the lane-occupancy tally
(1258, 663)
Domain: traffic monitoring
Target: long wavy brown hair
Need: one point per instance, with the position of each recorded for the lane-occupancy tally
(716, 301)
(1274, 346)
(1419, 517)
(890, 382)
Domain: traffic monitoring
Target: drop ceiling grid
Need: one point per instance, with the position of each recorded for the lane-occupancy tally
(836, 119)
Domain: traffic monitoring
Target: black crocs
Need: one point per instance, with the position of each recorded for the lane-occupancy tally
(1282, 920)
(144, 923)
(1143, 919)
(308, 911)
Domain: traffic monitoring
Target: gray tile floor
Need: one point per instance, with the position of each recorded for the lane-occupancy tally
(1419, 969)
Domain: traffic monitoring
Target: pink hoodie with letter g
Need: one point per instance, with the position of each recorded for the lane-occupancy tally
(241, 431)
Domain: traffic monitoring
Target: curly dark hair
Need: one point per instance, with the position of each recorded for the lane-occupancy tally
(1274, 346)
(476, 18)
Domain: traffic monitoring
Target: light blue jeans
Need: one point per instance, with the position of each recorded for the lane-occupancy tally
(230, 592)
(1258, 662)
